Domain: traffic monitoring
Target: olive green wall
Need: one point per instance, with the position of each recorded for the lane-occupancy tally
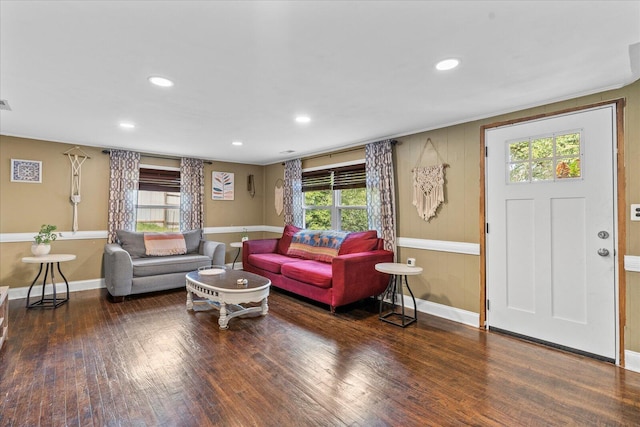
(24, 206)
(451, 279)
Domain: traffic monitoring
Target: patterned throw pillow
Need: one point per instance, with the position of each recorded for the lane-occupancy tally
(318, 245)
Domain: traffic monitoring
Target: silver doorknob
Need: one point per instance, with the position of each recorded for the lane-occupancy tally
(603, 252)
(603, 234)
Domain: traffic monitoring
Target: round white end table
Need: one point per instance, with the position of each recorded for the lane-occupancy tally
(239, 246)
(394, 290)
(48, 261)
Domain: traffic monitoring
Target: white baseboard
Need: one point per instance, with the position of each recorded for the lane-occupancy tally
(80, 285)
(632, 360)
(444, 311)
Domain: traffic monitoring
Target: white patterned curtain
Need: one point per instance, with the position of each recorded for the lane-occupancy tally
(191, 194)
(293, 197)
(123, 191)
(381, 203)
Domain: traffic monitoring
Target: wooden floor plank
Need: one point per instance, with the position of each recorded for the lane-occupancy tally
(150, 362)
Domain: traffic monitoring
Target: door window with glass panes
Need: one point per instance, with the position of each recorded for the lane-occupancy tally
(335, 199)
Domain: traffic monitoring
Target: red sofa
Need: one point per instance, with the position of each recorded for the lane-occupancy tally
(348, 277)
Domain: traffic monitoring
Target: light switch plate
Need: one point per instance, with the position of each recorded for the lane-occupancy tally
(635, 212)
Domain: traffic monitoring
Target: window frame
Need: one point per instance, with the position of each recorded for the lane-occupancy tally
(159, 179)
(350, 175)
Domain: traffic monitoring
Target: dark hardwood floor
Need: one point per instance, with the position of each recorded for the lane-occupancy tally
(150, 362)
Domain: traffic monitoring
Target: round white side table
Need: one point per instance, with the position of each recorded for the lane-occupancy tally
(48, 261)
(239, 246)
(397, 272)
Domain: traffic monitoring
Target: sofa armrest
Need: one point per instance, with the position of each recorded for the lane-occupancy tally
(118, 270)
(354, 276)
(259, 246)
(214, 250)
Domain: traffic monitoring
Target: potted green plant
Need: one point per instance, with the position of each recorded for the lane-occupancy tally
(42, 241)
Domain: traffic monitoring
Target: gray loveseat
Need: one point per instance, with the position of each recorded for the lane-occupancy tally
(129, 270)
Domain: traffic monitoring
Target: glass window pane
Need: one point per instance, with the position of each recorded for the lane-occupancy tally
(353, 220)
(317, 219)
(542, 148)
(568, 145)
(542, 170)
(353, 197)
(318, 198)
(568, 168)
(519, 172)
(518, 151)
(158, 211)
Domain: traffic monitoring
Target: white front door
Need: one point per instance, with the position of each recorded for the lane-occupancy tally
(550, 246)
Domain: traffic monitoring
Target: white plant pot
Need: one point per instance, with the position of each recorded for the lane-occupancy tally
(40, 249)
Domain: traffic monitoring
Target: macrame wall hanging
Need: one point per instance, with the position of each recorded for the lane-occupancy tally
(428, 185)
(76, 158)
(279, 196)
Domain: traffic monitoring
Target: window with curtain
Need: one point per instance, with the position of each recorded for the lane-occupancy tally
(335, 198)
(158, 206)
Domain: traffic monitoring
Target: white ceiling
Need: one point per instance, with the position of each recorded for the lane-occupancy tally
(362, 70)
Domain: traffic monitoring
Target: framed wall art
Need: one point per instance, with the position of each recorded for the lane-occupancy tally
(26, 171)
(222, 186)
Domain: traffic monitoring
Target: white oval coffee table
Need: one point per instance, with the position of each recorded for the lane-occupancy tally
(397, 272)
(222, 291)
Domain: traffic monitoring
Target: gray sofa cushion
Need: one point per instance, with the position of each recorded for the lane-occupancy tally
(192, 240)
(132, 242)
(154, 266)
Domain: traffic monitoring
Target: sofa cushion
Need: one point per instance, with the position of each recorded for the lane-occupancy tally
(318, 245)
(153, 266)
(192, 240)
(132, 242)
(285, 240)
(361, 241)
(270, 262)
(314, 273)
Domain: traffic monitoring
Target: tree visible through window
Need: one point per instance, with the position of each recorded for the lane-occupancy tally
(547, 158)
(335, 199)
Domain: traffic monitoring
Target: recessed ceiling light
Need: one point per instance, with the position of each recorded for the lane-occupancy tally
(237, 143)
(127, 125)
(160, 81)
(447, 64)
(303, 119)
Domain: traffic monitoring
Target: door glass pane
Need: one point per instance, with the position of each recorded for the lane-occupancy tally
(542, 170)
(568, 168)
(519, 151)
(568, 145)
(519, 172)
(542, 148)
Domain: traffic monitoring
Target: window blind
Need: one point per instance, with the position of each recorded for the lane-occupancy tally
(159, 180)
(342, 178)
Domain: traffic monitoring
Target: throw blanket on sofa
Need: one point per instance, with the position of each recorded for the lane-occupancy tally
(162, 244)
(319, 245)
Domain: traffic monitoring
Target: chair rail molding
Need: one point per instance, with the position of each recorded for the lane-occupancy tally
(62, 235)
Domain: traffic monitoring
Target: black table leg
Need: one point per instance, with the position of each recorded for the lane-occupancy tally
(54, 302)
